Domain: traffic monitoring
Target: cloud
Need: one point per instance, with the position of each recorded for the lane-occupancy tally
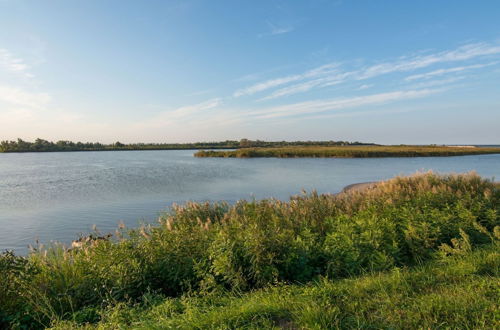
(462, 53)
(331, 74)
(210, 113)
(281, 30)
(276, 30)
(294, 89)
(192, 109)
(360, 113)
(437, 82)
(20, 97)
(174, 116)
(318, 106)
(449, 70)
(11, 63)
(308, 85)
(365, 86)
(272, 83)
(266, 85)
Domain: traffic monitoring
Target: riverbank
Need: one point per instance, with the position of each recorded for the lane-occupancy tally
(349, 152)
(204, 254)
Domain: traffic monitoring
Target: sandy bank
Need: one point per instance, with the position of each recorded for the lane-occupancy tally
(359, 186)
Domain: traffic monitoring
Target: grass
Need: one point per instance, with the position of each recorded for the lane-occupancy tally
(459, 292)
(344, 260)
(349, 152)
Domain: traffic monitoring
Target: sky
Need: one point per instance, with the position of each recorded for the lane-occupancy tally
(390, 72)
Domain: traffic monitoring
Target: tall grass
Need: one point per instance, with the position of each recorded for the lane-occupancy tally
(211, 248)
(454, 292)
(349, 152)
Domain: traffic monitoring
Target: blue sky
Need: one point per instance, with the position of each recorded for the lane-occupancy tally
(177, 71)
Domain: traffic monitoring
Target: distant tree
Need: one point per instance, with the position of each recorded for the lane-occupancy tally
(245, 143)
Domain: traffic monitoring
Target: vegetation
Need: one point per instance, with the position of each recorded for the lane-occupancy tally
(458, 292)
(41, 145)
(350, 151)
(419, 251)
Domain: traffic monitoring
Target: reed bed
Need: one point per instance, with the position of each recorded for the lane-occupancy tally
(349, 152)
(213, 250)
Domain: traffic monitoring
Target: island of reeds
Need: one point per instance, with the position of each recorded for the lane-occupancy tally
(417, 252)
(349, 151)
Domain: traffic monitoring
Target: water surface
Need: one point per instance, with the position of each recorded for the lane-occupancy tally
(56, 196)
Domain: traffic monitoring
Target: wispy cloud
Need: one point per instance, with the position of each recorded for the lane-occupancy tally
(226, 111)
(272, 83)
(180, 114)
(21, 97)
(462, 53)
(195, 108)
(308, 85)
(318, 106)
(281, 30)
(332, 74)
(262, 86)
(365, 86)
(14, 64)
(440, 72)
(438, 82)
(275, 29)
(357, 113)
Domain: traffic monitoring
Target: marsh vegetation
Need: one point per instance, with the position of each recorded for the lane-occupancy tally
(419, 248)
(350, 151)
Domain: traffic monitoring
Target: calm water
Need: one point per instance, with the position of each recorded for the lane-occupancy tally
(56, 196)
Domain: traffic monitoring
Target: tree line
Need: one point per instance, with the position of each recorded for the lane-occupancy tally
(41, 145)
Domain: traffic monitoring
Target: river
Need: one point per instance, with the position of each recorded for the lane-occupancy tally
(56, 196)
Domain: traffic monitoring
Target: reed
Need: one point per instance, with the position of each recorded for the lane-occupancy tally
(349, 152)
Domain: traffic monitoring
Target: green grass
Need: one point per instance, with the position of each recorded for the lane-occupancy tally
(460, 292)
(349, 152)
(225, 266)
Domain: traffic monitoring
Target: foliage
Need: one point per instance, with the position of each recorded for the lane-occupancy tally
(41, 145)
(349, 151)
(15, 271)
(207, 249)
(449, 293)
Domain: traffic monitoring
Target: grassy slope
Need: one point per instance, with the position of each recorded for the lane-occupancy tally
(460, 291)
(349, 152)
(207, 250)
